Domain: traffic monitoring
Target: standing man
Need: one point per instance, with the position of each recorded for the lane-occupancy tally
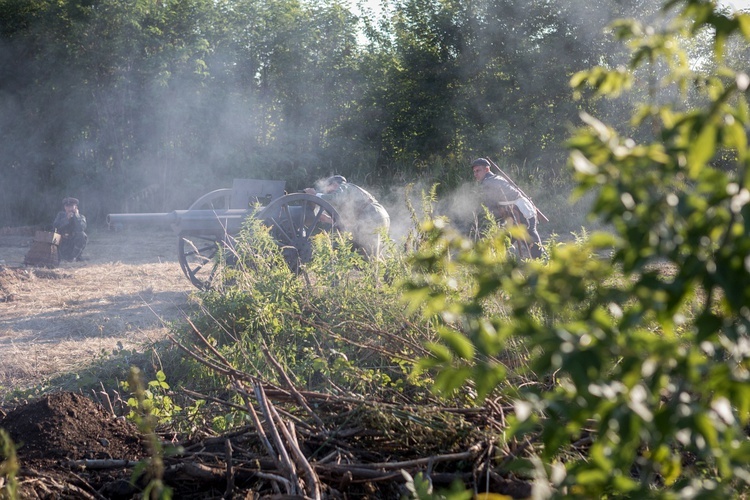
(360, 212)
(503, 199)
(71, 224)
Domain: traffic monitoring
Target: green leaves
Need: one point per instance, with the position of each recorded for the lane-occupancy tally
(459, 345)
(702, 148)
(9, 466)
(605, 81)
(643, 331)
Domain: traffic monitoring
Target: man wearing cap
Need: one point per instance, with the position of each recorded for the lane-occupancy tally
(361, 214)
(503, 199)
(71, 225)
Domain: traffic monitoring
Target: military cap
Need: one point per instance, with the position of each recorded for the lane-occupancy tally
(337, 178)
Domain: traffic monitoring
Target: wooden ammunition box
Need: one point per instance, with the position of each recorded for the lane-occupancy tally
(42, 254)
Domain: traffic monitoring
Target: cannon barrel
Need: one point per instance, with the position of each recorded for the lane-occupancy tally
(215, 221)
(143, 218)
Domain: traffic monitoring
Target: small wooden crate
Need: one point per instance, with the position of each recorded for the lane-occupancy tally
(42, 254)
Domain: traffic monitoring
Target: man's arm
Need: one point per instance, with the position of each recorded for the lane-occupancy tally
(80, 222)
(61, 220)
(71, 224)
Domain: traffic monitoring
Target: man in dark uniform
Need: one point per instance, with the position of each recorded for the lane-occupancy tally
(504, 200)
(71, 225)
(360, 213)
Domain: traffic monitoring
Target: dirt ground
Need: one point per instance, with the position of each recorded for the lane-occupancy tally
(57, 320)
(67, 446)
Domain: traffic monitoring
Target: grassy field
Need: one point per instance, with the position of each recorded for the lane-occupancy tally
(64, 321)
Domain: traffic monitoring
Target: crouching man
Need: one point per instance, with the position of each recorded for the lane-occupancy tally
(71, 225)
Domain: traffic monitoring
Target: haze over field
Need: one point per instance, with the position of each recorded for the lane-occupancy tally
(737, 4)
(147, 109)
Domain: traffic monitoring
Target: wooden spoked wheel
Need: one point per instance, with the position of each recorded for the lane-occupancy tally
(197, 250)
(294, 220)
(218, 199)
(198, 255)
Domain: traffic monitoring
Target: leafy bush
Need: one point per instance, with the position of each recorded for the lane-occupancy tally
(339, 327)
(637, 339)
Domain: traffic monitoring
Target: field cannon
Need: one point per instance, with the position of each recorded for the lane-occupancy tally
(213, 220)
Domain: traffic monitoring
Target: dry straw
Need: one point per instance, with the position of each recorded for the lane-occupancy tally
(56, 321)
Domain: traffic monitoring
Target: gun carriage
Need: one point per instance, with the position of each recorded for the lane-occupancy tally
(210, 224)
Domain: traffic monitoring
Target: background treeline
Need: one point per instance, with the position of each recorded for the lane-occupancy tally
(147, 104)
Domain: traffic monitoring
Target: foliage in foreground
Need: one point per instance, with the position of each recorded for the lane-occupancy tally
(645, 355)
(9, 466)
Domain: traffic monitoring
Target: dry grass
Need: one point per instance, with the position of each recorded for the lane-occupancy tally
(56, 321)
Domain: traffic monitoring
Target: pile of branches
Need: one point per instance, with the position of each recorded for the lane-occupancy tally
(297, 443)
(304, 444)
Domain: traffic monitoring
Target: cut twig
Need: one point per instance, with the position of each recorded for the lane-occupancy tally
(101, 464)
(230, 469)
(286, 465)
(261, 433)
(313, 483)
(295, 393)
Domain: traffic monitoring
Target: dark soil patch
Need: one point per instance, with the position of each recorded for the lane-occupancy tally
(65, 427)
(57, 436)
(9, 279)
(47, 274)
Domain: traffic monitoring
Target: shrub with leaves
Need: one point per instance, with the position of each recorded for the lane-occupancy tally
(637, 339)
(337, 326)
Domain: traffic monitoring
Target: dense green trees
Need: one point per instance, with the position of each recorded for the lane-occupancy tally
(106, 99)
